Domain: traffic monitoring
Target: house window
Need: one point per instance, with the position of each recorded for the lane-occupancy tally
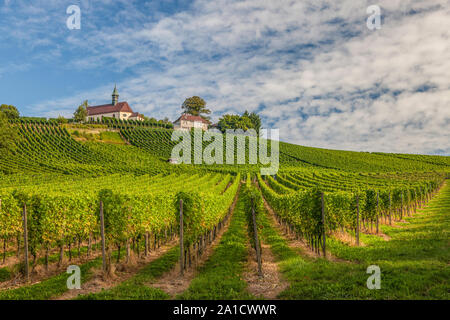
(114, 115)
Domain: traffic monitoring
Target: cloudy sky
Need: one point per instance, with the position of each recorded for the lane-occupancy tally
(311, 68)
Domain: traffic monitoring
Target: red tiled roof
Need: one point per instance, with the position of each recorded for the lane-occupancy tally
(189, 117)
(109, 108)
(136, 114)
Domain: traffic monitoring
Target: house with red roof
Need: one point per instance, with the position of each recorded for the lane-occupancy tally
(187, 122)
(118, 110)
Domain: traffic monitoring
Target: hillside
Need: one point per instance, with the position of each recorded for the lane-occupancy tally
(341, 204)
(157, 141)
(50, 148)
(140, 156)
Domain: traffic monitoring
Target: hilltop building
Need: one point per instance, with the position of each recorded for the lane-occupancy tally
(118, 110)
(187, 122)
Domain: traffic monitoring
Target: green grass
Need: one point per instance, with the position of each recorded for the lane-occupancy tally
(5, 274)
(111, 137)
(414, 263)
(138, 288)
(49, 288)
(221, 275)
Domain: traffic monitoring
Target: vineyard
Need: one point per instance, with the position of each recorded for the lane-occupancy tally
(338, 202)
(128, 217)
(51, 149)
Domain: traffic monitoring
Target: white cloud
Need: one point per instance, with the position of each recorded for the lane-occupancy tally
(295, 58)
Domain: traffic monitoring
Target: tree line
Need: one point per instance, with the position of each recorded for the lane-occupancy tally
(196, 106)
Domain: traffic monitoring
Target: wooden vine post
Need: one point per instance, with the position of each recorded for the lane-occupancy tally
(390, 208)
(378, 207)
(415, 201)
(258, 251)
(102, 231)
(4, 240)
(181, 239)
(401, 210)
(323, 223)
(357, 220)
(25, 243)
(146, 244)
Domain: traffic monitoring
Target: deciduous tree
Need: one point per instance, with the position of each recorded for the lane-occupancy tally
(61, 120)
(195, 106)
(255, 120)
(231, 121)
(81, 113)
(245, 122)
(9, 111)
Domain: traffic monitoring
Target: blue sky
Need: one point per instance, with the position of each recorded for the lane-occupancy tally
(310, 68)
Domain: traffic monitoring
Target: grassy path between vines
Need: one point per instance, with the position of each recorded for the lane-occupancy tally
(221, 277)
(137, 288)
(56, 286)
(50, 287)
(414, 263)
(99, 283)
